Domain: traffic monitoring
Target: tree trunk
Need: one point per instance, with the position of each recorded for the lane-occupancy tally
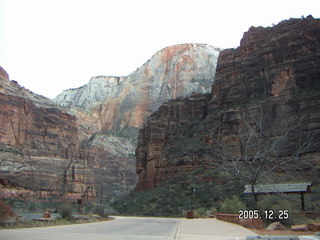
(254, 195)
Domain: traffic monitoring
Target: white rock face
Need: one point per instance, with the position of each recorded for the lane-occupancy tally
(119, 102)
(118, 146)
(94, 92)
(107, 105)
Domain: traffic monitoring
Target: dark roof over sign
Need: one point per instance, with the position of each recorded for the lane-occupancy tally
(280, 188)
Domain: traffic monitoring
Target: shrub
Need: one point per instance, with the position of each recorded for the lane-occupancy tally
(212, 211)
(277, 204)
(232, 205)
(205, 212)
(164, 201)
(171, 199)
(100, 210)
(313, 199)
(31, 206)
(65, 211)
(6, 211)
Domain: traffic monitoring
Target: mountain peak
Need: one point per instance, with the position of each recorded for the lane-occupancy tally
(174, 71)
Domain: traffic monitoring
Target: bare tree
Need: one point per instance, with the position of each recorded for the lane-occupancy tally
(70, 154)
(264, 146)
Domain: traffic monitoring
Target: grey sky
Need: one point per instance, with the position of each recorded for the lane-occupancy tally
(52, 45)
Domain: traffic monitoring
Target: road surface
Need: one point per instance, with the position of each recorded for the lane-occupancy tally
(118, 229)
(133, 228)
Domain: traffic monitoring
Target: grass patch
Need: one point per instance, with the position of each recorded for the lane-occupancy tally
(54, 222)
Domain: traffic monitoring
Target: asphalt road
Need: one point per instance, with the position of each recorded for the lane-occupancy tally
(118, 229)
(129, 228)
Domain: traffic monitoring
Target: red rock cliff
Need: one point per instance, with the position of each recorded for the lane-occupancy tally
(39, 145)
(110, 110)
(273, 61)
(276, 68)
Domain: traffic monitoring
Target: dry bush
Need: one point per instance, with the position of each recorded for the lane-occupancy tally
(6, 211)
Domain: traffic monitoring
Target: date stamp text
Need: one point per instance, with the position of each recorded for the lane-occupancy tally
(267, 214)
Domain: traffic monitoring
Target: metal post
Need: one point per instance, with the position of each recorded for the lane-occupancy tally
(302, 201)
(193, 190)
(190, 213)
(191, 198)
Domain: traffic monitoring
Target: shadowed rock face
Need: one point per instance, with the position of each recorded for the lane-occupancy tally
(274, 61)
(120, 102)
(173, 120)
(276, 67)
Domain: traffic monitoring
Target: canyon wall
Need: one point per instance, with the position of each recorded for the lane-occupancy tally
(110, 110)
(39, 146)
(82, 144)
(273, 61)
(275, 70)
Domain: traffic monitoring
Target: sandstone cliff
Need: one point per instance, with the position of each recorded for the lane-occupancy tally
(110, 110)
(276, 69)
(273, 61)
(120, 102)
(39, 146)
(86, 145)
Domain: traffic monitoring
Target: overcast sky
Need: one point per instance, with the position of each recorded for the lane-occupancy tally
(52, 45)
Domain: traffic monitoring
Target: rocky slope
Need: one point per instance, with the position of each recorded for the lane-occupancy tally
(275, 70)
(39, 146)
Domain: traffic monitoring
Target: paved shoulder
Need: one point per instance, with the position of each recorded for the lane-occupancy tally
(205, 229)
